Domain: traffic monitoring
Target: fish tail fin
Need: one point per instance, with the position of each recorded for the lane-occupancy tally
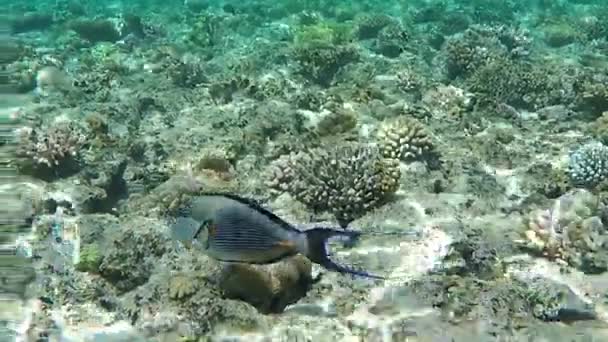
(317, 239)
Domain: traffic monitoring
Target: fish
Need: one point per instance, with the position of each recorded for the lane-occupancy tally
(230, 228)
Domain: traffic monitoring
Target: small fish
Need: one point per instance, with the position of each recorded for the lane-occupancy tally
(234, 229)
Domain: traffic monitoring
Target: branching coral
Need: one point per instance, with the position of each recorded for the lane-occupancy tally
(346, 180)
(321, 62)
(369, 26)
(51, 149)
(404, 139)
(515, 83)
(321, 50)
(481, 45)
(465, 54)
(96, 30)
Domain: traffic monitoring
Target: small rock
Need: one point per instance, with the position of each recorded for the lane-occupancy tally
(270, 288)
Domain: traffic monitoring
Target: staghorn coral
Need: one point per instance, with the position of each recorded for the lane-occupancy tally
(53, 150)
(346, 181)
(588, 165)
(570, 232)
(404, 139)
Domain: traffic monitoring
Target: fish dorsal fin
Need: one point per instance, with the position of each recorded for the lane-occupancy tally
(255, 205)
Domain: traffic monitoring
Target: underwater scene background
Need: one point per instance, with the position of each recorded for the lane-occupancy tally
(465, 139)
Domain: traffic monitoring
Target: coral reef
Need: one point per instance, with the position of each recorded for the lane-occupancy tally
(571, 231)
(404, 139)
(369, 26)
(587, 166)
(50, 152)
(320, 61)
(462, 138)
(346, 181)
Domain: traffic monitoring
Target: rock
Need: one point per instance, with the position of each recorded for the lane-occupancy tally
(77, 197)
(132, 252)
(270, 288)
(118, 332)
(564, 295)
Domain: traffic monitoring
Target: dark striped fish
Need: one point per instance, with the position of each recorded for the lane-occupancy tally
(234, 229)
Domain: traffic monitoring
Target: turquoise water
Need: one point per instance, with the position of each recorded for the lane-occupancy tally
(465, 139)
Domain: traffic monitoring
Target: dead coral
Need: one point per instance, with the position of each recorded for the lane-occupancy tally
(184, 73)
(132, 253)
(97, 84)
(447, 102)
(49, 152)
(337, 122)
(223, 90)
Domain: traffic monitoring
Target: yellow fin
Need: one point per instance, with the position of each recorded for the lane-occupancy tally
(212, 229)
(286, 244)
